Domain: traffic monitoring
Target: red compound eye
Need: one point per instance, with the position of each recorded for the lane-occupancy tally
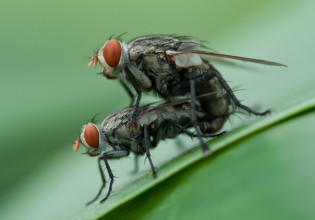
(91, 135)
(112, 52)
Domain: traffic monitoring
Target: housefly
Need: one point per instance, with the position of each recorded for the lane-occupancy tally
(170, 66)
(112, 139)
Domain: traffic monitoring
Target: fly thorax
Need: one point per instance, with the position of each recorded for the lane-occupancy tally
(135, 51)
(116, 119)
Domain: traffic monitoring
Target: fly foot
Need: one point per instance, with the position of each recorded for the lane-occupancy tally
(268, 112)
(206, 152)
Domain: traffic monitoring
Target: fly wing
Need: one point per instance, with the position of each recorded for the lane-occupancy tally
(168, 104)
(188, 45)
(187, 56)
(266, 62)
(181, 48)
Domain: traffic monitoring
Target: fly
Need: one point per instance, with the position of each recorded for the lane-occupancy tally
(170, 66)
(112, 139)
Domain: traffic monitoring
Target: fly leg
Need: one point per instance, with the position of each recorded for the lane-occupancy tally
(235, 100)
(108, 155)
(209, 75)
(103, 181)
(205, 149)
(111, 176)
(136, 164)
(132, 125)
(130, 94)
(201, 79)
(147, 146)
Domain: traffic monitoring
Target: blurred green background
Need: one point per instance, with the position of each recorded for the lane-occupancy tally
(47, 91)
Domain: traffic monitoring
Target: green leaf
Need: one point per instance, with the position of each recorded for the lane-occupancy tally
(260, 169)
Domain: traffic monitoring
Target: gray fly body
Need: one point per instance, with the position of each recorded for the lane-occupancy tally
(170, 66)
(112, 139)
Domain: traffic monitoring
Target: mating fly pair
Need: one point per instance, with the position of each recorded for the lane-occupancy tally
(169, 66)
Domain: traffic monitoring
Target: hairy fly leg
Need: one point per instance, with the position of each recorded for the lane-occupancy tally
(235, 100)
(205, 149)
(133, 125)
(130, 94)
(107, 156)
(201, 79)
(147, 148)
(103, 181)
(206, 77)
(111, 176)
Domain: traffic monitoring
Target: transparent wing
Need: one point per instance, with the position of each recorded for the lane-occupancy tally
(265, 62)
(173, 103)
(188, 45)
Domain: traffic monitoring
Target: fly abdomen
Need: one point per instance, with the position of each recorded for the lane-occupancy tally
(219, 103)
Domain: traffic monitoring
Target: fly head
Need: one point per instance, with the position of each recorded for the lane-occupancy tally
(92, 138)
(112, 56)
